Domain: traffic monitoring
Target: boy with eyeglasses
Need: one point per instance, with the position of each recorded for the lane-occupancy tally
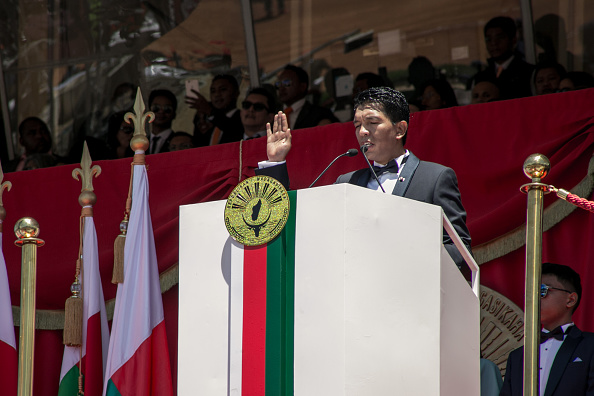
(163, 103)
(566, 352)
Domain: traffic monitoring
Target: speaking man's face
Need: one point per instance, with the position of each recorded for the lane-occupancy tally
(376, 131)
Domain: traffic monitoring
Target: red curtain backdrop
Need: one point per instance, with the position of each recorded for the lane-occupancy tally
(485, 144)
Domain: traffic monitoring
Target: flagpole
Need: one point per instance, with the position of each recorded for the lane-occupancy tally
(27, 230)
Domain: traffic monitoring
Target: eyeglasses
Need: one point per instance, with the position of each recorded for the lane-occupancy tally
(166, 109)
(285, 83)
(544, 290)
(246, 105)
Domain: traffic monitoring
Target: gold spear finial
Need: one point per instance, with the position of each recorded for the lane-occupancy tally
(87, 196)
(4, 185)
(139, 140)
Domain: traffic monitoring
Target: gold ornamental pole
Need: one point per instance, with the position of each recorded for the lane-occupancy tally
(536, 167)
(27, 230)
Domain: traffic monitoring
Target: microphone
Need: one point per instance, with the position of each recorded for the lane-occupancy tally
(364, 149)
(350, 153)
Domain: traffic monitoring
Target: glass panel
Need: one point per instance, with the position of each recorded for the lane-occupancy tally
(73, 63)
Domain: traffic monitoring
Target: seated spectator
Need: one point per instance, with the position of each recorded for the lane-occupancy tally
(505, 66)
(420, 72)
(257, 109)
(576, 80)
(163, 103)
(119, 134)
(293, 85)
(547, 77)
(221, 111)
(367, 80)
(34, 138)
(181, 141)
(39, 160)
(438, 94)
(485, 91)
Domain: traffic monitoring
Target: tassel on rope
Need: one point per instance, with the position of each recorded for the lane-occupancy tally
(73, 316)
(120, 241)
(573, 199)
(118, 252)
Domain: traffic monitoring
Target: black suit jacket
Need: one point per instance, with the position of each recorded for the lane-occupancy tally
(572, 373)
(311, 115)
(165, 147)
(419, 180)
(514, 82)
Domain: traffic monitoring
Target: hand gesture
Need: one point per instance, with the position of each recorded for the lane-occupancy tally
(199, 103)
(278, 143)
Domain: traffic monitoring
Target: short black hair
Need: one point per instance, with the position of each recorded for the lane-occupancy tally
(373, 80)
(580, 79)
(548, 64)
(567, 276)
(232, 80)
(505, 23)
(387, 100)
(270, 99)
(181, 133)
(444, 89)
(36, 119)
(165, 93)
(302, 75)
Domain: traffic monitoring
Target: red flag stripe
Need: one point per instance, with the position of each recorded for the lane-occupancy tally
(147, 372)
(254, 321)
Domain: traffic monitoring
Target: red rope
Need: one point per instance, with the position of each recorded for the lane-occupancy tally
(580, 202)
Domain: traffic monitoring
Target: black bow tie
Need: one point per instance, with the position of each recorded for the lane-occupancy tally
(556, 333)
(391, 167)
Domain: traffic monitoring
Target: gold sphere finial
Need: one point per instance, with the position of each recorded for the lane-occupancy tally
(26, 227)
(139, 142)
(537, 166)
(87, 198)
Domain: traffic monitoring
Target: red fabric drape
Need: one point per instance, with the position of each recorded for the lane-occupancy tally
(485, 144)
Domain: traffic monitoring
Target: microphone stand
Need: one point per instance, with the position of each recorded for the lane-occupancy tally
(364, 150)
(349, 153)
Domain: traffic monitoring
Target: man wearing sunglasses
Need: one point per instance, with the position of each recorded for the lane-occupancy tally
(257, 109)
(163, 103)
(292, 86)
(566, 352)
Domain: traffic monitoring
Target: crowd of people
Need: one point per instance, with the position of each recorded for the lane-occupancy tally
(218, 119)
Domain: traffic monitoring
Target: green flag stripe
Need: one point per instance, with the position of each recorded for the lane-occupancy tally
(111, 389)
(69, 384)
(280, 305)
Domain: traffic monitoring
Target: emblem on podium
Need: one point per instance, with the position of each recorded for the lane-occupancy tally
(257, 210)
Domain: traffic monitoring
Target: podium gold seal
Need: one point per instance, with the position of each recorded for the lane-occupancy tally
(257, 210)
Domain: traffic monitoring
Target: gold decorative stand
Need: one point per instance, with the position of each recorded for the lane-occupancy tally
(27, 230)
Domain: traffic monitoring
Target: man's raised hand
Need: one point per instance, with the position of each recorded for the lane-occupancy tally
(278, 143)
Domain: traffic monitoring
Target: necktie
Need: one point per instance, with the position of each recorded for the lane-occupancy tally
(556, 333)
(391, 167)
(499, 71)
(216, 136)
(154, 145)
(287, 112)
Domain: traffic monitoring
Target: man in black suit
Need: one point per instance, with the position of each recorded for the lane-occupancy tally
(163, 103)
(505, 66)
(293, 85)
(381, 125)
(566, 352)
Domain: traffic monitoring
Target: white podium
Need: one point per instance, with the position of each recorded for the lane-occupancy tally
(375, 305)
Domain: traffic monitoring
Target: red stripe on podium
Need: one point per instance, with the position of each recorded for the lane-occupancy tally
(253, 380)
